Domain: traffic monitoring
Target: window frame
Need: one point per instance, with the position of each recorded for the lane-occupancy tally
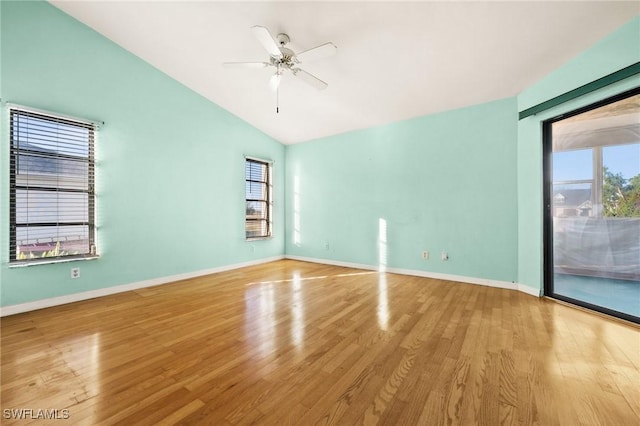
(268, 198)
(14, 113)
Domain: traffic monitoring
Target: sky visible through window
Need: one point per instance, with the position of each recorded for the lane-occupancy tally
(624, 159)
(572, 165)
(578, 164)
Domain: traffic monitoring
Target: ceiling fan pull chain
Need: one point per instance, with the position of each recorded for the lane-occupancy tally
(278, 100)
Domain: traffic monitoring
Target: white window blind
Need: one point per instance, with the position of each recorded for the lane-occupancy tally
(52, 196)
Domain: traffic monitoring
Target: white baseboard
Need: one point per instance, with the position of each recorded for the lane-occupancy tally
(92, 294)
(426, 274)
(529, 290)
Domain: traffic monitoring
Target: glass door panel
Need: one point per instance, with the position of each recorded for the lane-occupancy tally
(592, 191)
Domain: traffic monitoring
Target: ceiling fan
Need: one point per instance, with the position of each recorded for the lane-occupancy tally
(284, 59)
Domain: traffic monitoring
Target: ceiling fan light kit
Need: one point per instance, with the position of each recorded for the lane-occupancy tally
(284, 59)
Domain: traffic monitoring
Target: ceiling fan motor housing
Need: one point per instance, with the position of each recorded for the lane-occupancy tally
(287, 58)
(283, 39)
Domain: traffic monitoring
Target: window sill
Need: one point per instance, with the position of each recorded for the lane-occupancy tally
(258, 238)
(24, 263)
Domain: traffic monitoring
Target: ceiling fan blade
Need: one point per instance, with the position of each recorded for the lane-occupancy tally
(318, 52)
(309, 79)
(246, 64)
(266, 39)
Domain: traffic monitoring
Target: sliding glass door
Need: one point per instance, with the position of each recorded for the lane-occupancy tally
(592, 199)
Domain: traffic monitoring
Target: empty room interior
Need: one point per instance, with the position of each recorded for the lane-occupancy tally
(340, 212)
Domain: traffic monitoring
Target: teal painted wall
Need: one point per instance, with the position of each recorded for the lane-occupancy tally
(170, 180)
(441, 182)
(170, 163)
(616, 51)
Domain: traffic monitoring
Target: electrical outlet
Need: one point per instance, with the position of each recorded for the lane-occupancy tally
(326, 245)
(75, 272)
(425, 255)
(444, 256)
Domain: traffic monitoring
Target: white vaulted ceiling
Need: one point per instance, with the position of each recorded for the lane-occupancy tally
(395, 60)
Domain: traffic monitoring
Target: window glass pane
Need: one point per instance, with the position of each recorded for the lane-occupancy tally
(256, 191)
(572, 199)
(41, 164)
(51, 241)
(623, 159)
(255, 171)
(256, 228)
(51, 172)
(51, 207)
(256, 210)
(573, 165)
(621, 180)
(50, 136)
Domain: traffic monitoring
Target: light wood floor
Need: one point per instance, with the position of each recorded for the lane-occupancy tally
(298, 343)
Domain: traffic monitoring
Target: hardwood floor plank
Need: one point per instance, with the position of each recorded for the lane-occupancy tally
(296, 343)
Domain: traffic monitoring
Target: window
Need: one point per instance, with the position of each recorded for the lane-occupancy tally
(573, 183)
(258, 195)
(596, 161)
(52, 200)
